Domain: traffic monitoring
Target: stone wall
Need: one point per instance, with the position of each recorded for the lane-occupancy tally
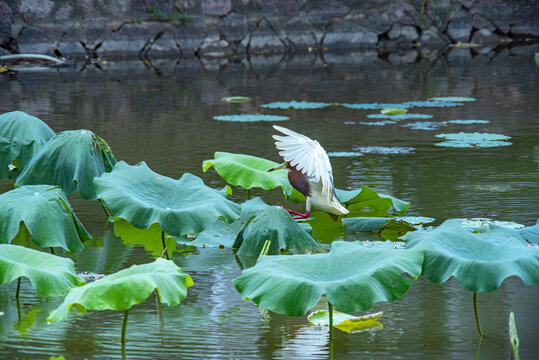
(236, 28)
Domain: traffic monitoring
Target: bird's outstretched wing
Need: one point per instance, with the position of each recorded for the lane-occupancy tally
(307, 155)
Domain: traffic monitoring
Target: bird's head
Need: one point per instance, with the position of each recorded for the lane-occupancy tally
(284, 165)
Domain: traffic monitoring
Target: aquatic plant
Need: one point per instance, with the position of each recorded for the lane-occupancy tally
(250, 118)
(296, 105)
(70, 160)
(44, 214)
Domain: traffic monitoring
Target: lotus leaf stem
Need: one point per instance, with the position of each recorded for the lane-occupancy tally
(330, 314)
(164, 245)
(18, 288)
(477, 347)
(476, 314)
(52, 250)
(265, 248)
(248, 194)
(124, 326)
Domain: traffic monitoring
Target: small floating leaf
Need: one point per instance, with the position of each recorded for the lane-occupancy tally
(473, 140)
(344, 154)
(236, 99)
(347, 322)
(373, 106)
(393, 111)
(378, 123)
(425, 125)
(468, 122)
(453, 99)
(384, 150)
(296, 105)
(431, 104)
(474, 136)
(250, 118)
(400, 116)
(475, 144)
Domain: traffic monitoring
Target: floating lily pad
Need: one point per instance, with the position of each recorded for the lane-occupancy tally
(453, 99)
(346, 322)
(384, 150)
(368, 198)
(431, 104)
(378, 123)
(468, 122)
(400, 116)
(484, 223)
(373, 106)
(388, 228)
(425, 125)
(250, 118)
(393, 111)
(296, 105)
(344, 154)
(236, 99)
(473, 140)
(217, 234)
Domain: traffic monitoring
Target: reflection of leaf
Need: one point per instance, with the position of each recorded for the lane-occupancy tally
(128, 287)
(346, 322)
(71, 159)
(293, 105)
(46, 214)
(352, 277)
(49, 274)
(150, 238)
(250, 118)
(21, 136)
(26, 321)
(143, 197)
(479, 261)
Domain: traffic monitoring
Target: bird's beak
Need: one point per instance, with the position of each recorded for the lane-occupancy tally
(282, 166)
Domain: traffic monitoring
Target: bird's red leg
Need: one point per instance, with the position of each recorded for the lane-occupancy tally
(300, 215)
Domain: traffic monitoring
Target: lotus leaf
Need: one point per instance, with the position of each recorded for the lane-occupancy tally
(217, 234)
(368, 198)
(143, 197)
(425, 125)
(479, 261)
(50, 275)
(468, 122)
(432, 103)
(344, 154)
(21, 136)
(250, 171)
(399, 116)
(393, 111)
(45, 213)
(276, 225)
(384, 150)
(346, 322)
(373, 106)
(473, 140)
(474, 136)
(71, 160)
(236, 99)
(250, 118)
(127, 287)
(295, 105)
(389, 228)
(352, 277)
(378, 123)
(453, 99)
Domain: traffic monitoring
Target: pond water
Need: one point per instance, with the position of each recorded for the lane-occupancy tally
(164, 116)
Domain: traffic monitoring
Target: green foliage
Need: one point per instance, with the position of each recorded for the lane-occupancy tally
(296, 105)
(143, 197)
(50, 275)
(388, 228)
(70, 160)
(45, 213)
(368, 198)
(177, 17)
(479, 261)
(346, 322)
(127, 287)
(21, 136)
(513, 337)
(352, 277)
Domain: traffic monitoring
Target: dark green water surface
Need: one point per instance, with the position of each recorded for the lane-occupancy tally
(163, 116)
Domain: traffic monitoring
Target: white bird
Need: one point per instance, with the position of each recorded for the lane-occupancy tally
(309, 172)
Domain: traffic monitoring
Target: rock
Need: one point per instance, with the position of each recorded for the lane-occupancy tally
(33, 40)
(129, 40)
(233, 27)
(496, 11)
(265, 40)
(70, 45)
(408, 57)
(432, 38)
(6, 20)
(525, 21)
(300, 33)
(406, 32)
(403, 13)
(485, 36)
(165, 45)
(64, 12)
(4, 51)
(481, 22)
(216, 7)
(33, 10)
(376, 21)
(324, 14)
(460, 26)
(190, 35)
(349, 34)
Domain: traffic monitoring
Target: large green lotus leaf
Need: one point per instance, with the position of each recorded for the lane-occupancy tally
(49, 274)
(250, 171)
(143, 197)
(388, 228)
(70, 160)
(368, 198)
(479, 261)
(352, 276)
(46, 214)
(276, 225)
(21, 136)
(128, 287)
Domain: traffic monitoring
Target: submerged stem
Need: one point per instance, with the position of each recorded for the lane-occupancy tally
(164, 245)
(476, 314)
(52, 250)
(124, 326)
(330, 314)
(18, 288)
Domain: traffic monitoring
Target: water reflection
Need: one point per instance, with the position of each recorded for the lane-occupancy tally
(165, 118)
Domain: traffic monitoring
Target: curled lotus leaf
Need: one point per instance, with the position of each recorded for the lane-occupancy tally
(21, 136)
(127, 287)
(365, 197)
(393, 111)
(70, 160)
(352, 276)
(479, 261)
(45, 213)
(49, 274)
(143, 197)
